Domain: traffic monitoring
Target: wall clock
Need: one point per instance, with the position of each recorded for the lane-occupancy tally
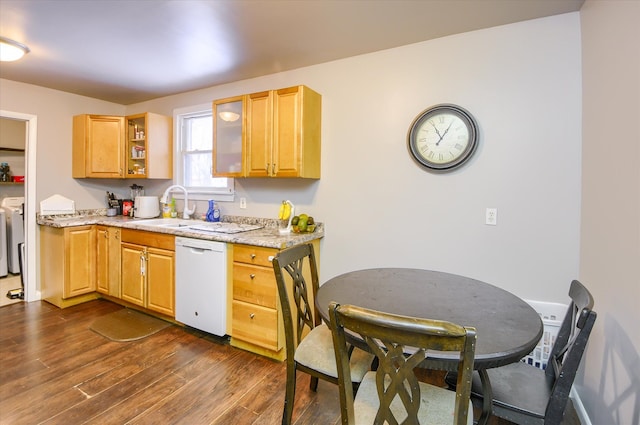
(442, 137)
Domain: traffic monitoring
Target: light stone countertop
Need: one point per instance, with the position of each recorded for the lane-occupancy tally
(268, 236)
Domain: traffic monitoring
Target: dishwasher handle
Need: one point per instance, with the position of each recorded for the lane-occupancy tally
(200, 245)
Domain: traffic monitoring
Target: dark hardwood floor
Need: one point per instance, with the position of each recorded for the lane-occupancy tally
(54, 370)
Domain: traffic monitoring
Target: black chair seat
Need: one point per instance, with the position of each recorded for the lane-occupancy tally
(518, 387)
(526, 395)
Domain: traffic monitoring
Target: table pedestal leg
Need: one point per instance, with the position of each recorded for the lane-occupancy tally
(487, 397)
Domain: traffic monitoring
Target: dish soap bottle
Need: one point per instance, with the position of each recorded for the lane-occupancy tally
(213, 213)
(174, 213)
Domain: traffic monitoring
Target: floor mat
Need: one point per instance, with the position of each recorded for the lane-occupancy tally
(127, 325)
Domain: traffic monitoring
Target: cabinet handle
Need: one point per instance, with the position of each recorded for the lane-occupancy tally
(273, 169)
(106, 234)
(267, 169)
(120, 173)
(252, 276)
(253, 256)
(143, 263)
(118, 234)
(251, 315)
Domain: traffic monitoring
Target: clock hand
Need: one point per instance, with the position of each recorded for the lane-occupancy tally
(444, 134)
(437, 132)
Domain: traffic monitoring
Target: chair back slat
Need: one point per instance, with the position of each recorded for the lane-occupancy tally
(400, 343)
(294, 291)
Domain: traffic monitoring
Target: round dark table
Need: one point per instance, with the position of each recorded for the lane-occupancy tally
(507, 328)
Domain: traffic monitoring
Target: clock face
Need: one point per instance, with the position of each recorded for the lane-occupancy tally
(443, 137)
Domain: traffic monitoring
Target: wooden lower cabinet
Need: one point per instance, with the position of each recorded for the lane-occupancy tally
(68, 258)
(148, 270)
(108, 260)
(255, 321)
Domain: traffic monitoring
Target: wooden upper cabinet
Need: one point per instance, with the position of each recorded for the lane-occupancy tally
(137, 146)
(280, 134)
(98, 143)
(149, 146)
(283, 133)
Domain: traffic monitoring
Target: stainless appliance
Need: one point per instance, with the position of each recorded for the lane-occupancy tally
(12, 207)
(201, 284)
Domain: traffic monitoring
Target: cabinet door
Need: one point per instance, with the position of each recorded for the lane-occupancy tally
(98, 143)
(259, 134)
(287, 133)
(114, 262)
(160, 281)
(133, 273)
(80, 258)
(102, 259)
(297, 132)
(228, 141)
(108, 260)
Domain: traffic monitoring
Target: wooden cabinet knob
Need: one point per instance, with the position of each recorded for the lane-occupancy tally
(253, 256)
(251, 315)
(252, 276)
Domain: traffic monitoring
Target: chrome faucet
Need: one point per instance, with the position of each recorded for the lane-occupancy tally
(187, 212)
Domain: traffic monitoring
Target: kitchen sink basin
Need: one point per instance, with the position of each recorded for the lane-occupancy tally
(198, 226)
(167, 222)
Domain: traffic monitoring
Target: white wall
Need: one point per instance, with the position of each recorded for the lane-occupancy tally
(55, 110)
(522, 83)
(610, 246)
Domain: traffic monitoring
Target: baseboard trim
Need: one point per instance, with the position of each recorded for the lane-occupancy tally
(580, 410)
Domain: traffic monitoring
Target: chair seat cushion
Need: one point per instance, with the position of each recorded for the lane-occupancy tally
(437, 405)
(519, 387)
(316, 351)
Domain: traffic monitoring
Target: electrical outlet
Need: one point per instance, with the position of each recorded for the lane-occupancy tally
(243, 203)
(491, 217)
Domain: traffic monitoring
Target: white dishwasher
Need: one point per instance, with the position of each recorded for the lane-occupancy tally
(201, 284)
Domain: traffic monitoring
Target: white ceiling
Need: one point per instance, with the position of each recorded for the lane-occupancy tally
(131, 51)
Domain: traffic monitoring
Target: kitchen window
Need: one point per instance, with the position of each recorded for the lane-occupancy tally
(193, 156)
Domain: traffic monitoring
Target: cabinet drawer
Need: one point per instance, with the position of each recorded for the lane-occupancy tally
(254, 284)
(152, 239)
(256, 255)
(255, 324)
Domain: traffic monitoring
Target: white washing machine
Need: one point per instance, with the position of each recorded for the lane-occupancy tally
(3, 244)
(12, 207)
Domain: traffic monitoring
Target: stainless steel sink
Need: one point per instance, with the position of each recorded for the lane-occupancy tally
(166, 222)
(198, 226)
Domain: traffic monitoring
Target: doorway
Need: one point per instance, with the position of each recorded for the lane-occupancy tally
(30, 259)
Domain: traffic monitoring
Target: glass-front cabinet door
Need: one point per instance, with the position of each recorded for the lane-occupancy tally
(228, 137)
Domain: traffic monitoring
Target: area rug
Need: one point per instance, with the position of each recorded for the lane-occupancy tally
(127, 325)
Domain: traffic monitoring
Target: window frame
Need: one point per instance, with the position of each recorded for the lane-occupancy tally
(196, 193)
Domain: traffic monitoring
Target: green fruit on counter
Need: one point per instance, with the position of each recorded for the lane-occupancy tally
(303, 216)
(294, 220)
(302, 225)
(310, 221)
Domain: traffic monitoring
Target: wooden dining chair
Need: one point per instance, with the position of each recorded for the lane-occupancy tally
(393, 394)
(309, 343)
(526, 395)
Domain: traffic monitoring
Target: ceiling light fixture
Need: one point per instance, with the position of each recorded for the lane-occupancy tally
(229, 116)
(11, 50)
